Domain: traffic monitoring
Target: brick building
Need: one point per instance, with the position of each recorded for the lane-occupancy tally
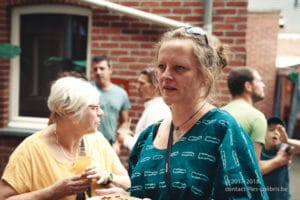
(127, 38)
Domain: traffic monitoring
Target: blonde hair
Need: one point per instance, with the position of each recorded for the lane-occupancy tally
(210, 53)
(69, 97)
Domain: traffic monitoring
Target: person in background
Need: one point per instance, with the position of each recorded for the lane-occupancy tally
(114, 100)
(155, 108)
(246, 87)
(277, 181)
(45, 165)
(200, 151)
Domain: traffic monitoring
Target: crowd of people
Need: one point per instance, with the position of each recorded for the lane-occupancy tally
(183, 146)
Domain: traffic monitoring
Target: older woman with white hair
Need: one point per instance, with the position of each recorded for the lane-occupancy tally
(45, 165)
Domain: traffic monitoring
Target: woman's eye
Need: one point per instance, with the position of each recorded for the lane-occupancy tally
(161, 67)
(179, 68)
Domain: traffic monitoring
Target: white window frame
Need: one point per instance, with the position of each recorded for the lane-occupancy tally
(16, 121)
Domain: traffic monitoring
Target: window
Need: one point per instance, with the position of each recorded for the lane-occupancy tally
(52, 39)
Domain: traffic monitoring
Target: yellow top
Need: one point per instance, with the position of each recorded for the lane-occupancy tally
(32, 166)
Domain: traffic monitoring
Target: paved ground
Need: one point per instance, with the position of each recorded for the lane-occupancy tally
(295, 177)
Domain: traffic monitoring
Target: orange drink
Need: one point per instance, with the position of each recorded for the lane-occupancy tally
(81, 163)
(83, 160)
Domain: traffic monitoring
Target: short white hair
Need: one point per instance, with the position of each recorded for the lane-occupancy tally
(69, 97)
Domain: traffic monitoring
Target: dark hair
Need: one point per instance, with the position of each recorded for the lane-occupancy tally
(275, 120)
(237, 79)
(100, 58)
(151, 74)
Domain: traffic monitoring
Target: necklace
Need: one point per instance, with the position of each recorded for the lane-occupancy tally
(62, 149)
(176, 128)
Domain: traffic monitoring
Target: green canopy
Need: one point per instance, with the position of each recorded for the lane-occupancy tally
(80, 63)
(9, 50)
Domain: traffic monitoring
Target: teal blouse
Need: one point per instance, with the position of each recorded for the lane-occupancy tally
(214, 160)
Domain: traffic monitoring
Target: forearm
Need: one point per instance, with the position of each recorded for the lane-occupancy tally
(296, 144)
(266, 166)
(42, 194)
(122, 181)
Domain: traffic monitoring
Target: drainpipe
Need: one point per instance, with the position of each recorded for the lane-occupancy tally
(136, 13)
(208, 6)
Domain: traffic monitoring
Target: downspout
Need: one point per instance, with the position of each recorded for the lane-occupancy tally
(208, 6)
(136, 13)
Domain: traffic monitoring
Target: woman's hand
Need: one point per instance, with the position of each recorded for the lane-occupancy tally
(70, 186)
(123, 133)
(102, 176)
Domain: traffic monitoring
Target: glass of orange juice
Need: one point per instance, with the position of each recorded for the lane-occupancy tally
(83, 160)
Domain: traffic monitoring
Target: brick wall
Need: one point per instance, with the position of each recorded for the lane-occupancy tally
(4, 64)
(7, 145)
(230, 24)
(129, 41)
(262, 33)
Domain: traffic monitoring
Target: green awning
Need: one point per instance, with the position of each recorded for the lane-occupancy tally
(8, 50)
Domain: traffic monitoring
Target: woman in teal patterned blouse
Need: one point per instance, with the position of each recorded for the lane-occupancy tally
(200, 152)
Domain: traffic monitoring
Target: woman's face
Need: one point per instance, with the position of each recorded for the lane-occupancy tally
(91, 118)
(146, 90)
(178, 75)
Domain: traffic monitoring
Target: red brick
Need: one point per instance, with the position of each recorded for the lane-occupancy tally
(130, 41)
(171, 4)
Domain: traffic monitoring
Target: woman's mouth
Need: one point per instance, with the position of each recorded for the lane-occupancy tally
(168, 88)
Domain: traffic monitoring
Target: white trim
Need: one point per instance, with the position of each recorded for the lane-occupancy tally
(32, 122)
(289, 36)
(136, 13)
(287, 61)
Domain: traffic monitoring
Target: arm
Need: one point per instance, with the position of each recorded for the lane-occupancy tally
(124, 119)
(120, 174)
(266, 166)
(117, 178)
(126, 138)
(296, 145)
(113, 165)
(124, 123)
(58, 190)
(284, 138)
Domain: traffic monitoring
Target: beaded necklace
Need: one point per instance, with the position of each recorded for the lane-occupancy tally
(62, 149)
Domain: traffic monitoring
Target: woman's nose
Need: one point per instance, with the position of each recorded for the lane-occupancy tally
(167, 73)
